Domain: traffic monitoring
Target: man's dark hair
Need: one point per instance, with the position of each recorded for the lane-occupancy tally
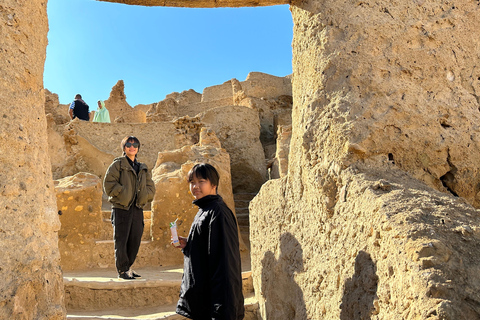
(78, 96)
(129, 138)
(205, 171)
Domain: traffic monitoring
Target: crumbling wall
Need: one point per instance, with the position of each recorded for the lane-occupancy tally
(173, 199)
(119, 109)
(32, 284)
(79, 203)
(270, 96)
(375, 219)
(91, 147)
(238, 129)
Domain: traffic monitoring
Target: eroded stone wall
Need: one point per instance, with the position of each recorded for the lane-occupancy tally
(32, 284)
(367, 223)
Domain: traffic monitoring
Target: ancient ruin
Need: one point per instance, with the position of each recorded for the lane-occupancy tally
(372, 213)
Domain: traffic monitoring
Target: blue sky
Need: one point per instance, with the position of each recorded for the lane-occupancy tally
(160, 50)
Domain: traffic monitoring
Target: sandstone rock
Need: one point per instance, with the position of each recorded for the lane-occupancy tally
(31, 285)
(119, 109)
(383, 251)
(79, 203)
(373, 105)
(58, 111)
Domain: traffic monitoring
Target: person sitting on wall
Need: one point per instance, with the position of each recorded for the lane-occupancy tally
(102, 114)
(79, 109)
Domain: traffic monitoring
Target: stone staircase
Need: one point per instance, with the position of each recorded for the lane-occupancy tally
(242, 200)
(97, 294)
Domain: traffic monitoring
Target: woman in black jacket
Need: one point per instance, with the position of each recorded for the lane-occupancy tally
(212, 276)
(129, 187)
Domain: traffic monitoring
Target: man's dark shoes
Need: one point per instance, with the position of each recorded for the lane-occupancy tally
(133, 274)
(125, 276)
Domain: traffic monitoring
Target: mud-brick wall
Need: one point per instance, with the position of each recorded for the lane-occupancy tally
(32, 284)
(375, 219)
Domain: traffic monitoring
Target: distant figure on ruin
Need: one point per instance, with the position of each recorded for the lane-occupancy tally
(102, 114)
(79, 109)
(212, 273)
(129, 186)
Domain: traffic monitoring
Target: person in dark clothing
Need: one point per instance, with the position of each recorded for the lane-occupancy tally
(212, 276)
(129, 187)
(79, 109)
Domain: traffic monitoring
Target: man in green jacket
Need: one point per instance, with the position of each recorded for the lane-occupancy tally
(129, 187)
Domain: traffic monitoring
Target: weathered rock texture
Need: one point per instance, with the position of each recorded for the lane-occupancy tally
(367, 223)
(238, 130)
(278, 167)
(202, 3)
(32, 284)
(79, 203)
(119, 109)
(376, 217)
(173, 199)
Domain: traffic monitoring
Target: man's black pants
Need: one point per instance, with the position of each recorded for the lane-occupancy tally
(127, 234)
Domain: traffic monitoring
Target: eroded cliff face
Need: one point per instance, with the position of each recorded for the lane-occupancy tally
(368, 221)
(32, 284)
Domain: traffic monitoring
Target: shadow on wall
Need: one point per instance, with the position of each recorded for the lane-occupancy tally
(283, 296)
(360, 290)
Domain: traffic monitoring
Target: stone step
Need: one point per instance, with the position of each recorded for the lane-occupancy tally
(244, 196)
(153, 313)
(244, 229)
(242, 204)
(99, 294)
(243, 220)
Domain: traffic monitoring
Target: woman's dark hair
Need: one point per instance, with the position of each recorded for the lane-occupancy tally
(205, 171)
(129, 138)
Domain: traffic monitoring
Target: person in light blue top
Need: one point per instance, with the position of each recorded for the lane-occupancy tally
(102, 114)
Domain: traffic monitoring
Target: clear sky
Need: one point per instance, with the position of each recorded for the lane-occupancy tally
(160, 50)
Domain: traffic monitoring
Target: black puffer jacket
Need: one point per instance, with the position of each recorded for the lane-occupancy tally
(212, 275)
(122, 184)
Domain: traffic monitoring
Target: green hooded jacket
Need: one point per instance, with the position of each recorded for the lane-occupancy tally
(122, 184)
